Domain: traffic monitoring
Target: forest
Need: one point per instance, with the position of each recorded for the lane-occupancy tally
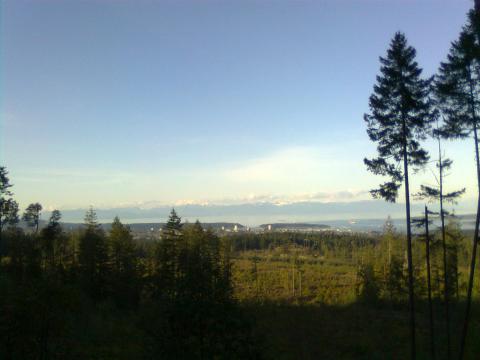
(199, 294)
(193, 294)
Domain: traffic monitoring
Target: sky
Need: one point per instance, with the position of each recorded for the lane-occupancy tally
(120, 103)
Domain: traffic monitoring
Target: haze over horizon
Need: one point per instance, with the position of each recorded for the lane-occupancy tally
(120, 104)
(255, 214)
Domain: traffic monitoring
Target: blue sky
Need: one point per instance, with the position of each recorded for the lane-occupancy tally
(117, 103)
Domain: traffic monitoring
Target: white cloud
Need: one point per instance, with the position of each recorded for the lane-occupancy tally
(284, 199)
(252, 198)
(285, 164)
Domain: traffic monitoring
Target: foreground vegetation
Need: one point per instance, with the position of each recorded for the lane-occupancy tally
(192, 295)
(88, 294)
(92, 295)
(345, 296)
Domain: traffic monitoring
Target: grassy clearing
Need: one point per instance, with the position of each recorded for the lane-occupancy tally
(326, 320)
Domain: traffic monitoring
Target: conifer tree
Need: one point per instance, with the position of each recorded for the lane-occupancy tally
(4, 182)
(401, 113)
(395, 279)
(91, 220)
(50, 236)
(32, 215)
(122, 247)
(124, 264)
(167, 256)
(8, 213)
(8, 206)
(174, 222)
(458, 90)
(93, 257)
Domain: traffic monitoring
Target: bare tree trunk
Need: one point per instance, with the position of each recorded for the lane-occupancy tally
(429, 286)
(300, 275)
(477, 223)
(444, 246)
(411, 296)
(293, 280)
(389, 251)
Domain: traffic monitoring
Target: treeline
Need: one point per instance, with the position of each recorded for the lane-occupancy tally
(91, 294)
(382, 268)
(325, 243)
(380, 258)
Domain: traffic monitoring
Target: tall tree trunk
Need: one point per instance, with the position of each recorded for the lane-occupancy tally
(300, 275)
(293, 280)
(429, 285)
(477, 223)
(474, 256)
(411, 296)
(444, 246)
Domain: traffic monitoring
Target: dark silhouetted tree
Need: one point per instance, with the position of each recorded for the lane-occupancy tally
(458, 90)
(93, 257)
(401, 113)
(167, 253)
(201, 319)
(124, 265)
(8, 213)
(437, 194)
(8, 206)
(52, 238)
(174, 222)
(32, 215)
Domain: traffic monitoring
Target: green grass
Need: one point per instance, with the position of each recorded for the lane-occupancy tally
(322, 281)
(327, 321)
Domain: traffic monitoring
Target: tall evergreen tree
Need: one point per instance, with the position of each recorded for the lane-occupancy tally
(458, 89)
(124, 264)
(93, 257)
(8, 206)
(201, 320)
(32, 215)
(51, 235)
(122, 247)
(91, 220)
(174, 222)
(401, 113)
(5, 182)
(8, 213)
(167, 255)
